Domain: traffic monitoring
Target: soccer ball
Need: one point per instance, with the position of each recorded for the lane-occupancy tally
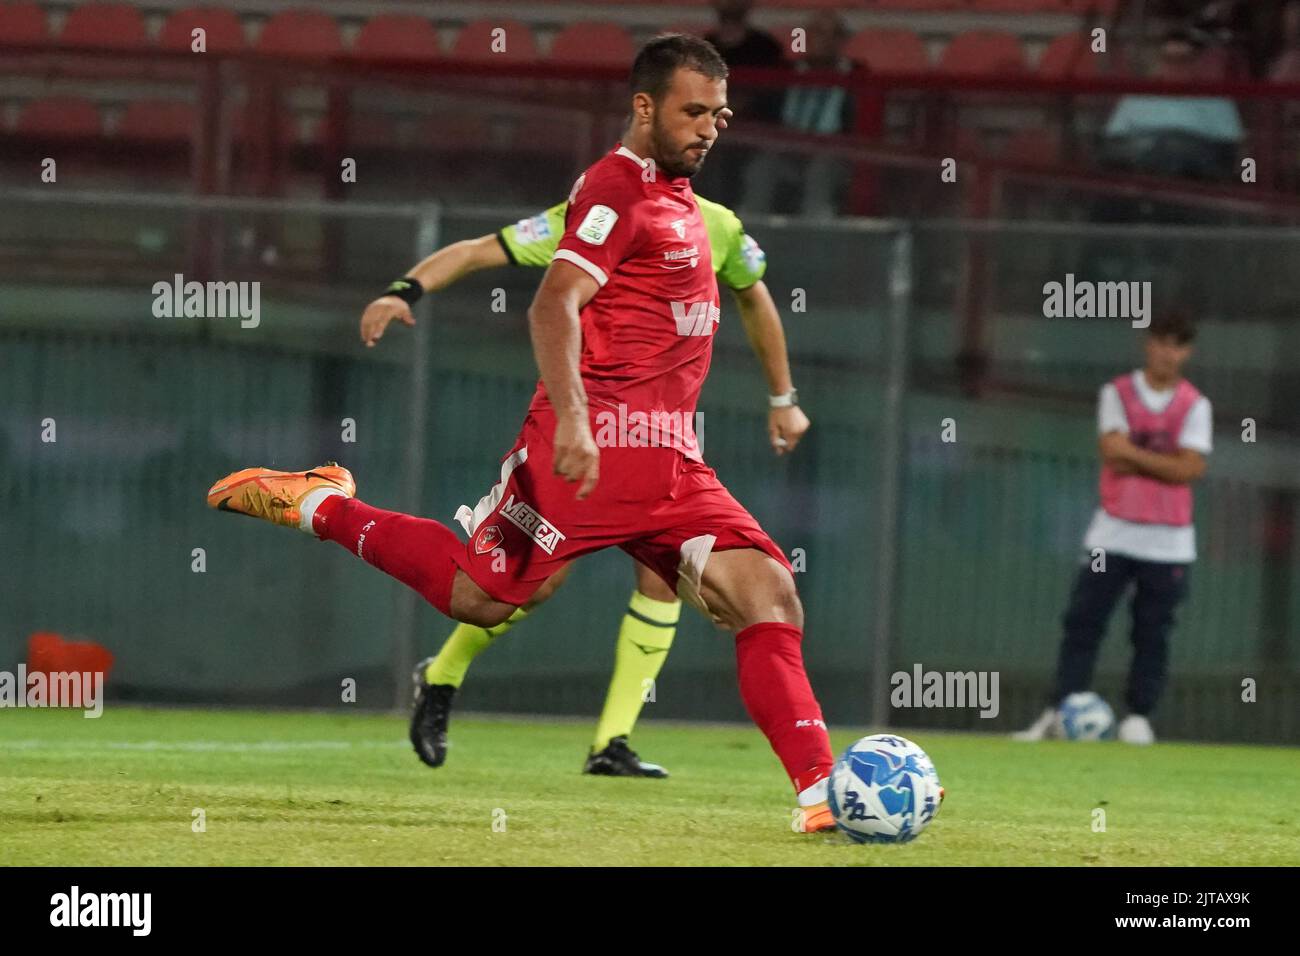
(1085, 716)
(884, 789)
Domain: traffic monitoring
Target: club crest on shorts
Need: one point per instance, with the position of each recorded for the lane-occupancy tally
(487, 539)
(520, 514)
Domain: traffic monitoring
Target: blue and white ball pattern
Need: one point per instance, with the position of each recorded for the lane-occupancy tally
(1085, 716)
(884, 789)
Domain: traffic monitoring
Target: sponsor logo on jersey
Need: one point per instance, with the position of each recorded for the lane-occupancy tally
(520, 514)
(597, 224)
(487, 539)
(679, 227)
(696, 318)
(673, 258)
(532, 230)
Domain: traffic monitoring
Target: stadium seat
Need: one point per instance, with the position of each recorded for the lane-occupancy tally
(225, 34)
(398, 36)
(60, 116)
(888, 51)
(983, 51)
(301, 33)
(1070, 56)
(158, 121)
(921, 4)
(1022, 6)
(1105, 7)
(474, 42)
(112, 26)
(604, 44)
(22, 23)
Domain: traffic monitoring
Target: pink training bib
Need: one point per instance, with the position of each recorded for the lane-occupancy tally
(1139, 497)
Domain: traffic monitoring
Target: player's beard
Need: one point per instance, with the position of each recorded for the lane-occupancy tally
(673, 161)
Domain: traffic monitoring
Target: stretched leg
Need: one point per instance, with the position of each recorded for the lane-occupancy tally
(752, 594)
(644, 638)
(419, 552)
(1091, 602)
(1160, 589)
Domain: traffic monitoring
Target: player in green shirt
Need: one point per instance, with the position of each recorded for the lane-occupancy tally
(650, 623)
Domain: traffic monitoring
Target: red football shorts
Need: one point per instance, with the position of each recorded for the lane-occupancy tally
(666, 510)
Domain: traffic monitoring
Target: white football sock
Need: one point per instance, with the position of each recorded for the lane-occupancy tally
(811, 796)
(310, 502)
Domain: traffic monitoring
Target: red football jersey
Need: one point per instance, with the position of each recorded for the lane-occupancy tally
(647, 334)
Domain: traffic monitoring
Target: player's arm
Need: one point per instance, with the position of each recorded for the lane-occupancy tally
(1112, 423)
(1108, 452)
(1179, 467)
(556, 330)
(786, 425)
(445, 267)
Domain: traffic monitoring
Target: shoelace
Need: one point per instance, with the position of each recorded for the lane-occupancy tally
(265, 505)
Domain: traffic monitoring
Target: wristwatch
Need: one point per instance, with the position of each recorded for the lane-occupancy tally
(784, 401)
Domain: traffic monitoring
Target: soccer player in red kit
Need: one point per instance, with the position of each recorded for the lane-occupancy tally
(622, 328)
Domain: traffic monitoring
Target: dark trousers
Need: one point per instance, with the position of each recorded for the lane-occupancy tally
(1158, 589)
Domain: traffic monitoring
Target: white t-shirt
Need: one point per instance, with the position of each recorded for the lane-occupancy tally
(1134, 539)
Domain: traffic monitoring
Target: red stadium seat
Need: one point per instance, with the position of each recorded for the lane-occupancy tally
(112, 26)
(983, 51)
(301, 33)
(224, 32)
(888, 51)
(22, 23)
(158, 121)
(1105, 7)
(1070, 56)
(593, 43)
(1022, 6)
(921, 4)
(60, 116)
(398, 36)
(837, 5)
(474, 42)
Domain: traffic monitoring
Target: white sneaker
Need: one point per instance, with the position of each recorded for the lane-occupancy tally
(1044, 727)
(1136, 729)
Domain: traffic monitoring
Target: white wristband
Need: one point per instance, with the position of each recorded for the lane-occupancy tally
(784, 401)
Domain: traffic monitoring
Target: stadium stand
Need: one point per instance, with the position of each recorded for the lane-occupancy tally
(223, 31)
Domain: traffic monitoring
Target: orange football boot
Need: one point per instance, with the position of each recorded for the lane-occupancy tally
(275, 496)
(817, 818)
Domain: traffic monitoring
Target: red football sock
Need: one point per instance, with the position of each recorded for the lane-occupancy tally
(776, 692)
(419, 552)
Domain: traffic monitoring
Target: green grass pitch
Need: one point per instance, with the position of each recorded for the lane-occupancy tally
(345, 789)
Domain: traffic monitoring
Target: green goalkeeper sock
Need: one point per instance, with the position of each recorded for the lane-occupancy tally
(465, 643)
(643, 641)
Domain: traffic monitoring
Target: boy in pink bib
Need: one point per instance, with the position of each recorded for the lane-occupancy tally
(1156, 430)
